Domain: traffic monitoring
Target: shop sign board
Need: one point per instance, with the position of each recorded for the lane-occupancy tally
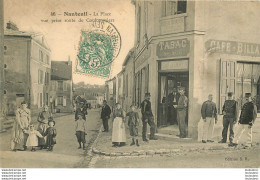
(233, 47)
(175, 65)
(173, 48)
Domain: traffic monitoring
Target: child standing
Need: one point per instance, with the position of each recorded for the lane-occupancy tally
(32, 139)
(81, 131)
(51, 135)
(133, 124)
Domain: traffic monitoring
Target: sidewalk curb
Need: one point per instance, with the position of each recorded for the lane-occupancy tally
(152, 152)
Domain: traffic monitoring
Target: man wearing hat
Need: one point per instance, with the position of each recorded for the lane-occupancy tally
(81, 110)
(182, 112)
(230, 112)
(147, 117)
(246, 121)
(105, 115)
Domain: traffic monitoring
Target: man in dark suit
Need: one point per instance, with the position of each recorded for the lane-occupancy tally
(81, 110)
(105, 115)
(147, 117)
(172, 104)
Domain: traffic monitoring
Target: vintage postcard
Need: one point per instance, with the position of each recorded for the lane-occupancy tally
(130, 84)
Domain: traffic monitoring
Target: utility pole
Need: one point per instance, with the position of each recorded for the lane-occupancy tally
(2, 65)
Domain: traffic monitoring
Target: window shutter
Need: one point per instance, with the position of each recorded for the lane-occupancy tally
(64, 101)
(227, 80)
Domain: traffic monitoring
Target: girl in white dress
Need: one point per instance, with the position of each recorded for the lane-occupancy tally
(32, 139)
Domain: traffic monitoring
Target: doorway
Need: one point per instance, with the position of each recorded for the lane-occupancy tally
(168, 96)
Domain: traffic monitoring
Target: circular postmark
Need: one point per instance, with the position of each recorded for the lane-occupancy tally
(98, 47)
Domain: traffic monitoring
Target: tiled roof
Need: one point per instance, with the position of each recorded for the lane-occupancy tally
(61, 70)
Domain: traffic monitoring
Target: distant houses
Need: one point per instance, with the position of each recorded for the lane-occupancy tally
(61, 86)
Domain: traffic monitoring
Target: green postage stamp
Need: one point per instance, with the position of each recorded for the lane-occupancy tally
(98, 47)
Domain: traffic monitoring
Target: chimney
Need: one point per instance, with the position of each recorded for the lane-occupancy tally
(69, 61)
(11, 25)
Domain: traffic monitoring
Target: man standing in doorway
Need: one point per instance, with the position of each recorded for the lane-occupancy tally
(147, 117)
(229, 119)
(182, 112)
(105, 115)
(209, 116)
(246, 121)
(172, 103)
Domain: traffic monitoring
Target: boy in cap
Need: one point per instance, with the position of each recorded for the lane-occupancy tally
(147, 117)
(81, 131)
(246, 121)
(133, 123)
(229, 119)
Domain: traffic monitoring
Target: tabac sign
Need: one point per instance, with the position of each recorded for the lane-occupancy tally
(173, 48)
(233, 47)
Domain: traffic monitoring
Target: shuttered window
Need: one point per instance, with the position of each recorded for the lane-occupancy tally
(227, 80)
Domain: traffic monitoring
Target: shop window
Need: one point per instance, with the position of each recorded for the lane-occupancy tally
(173, 7)
(248, 81)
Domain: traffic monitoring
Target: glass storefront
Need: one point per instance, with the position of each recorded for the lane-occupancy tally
(248, 81)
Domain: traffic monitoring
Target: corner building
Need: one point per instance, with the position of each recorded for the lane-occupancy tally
(206, 47)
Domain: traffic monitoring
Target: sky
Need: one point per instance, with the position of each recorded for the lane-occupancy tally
(63, 37)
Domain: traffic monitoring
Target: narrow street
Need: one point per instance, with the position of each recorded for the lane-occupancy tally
(65, 154)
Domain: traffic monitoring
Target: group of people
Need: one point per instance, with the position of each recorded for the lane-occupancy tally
(208, 113)
(120, 118)
(25, 135)
(231, 116)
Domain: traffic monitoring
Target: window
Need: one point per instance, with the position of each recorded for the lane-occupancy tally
(247, 81)
(40, 100)
(173, 7)
(47, 99)
(138, 24)
(60, 100)
(60, 85)
(47, 59)
(47, 78)
(126, 85)
(40, 76)
(54, 85)
(41, 55)
(5, 49)
(65, 86)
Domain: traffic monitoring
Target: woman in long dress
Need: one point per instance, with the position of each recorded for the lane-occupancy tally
(23, 119)
(43, 119)
(118, 132)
